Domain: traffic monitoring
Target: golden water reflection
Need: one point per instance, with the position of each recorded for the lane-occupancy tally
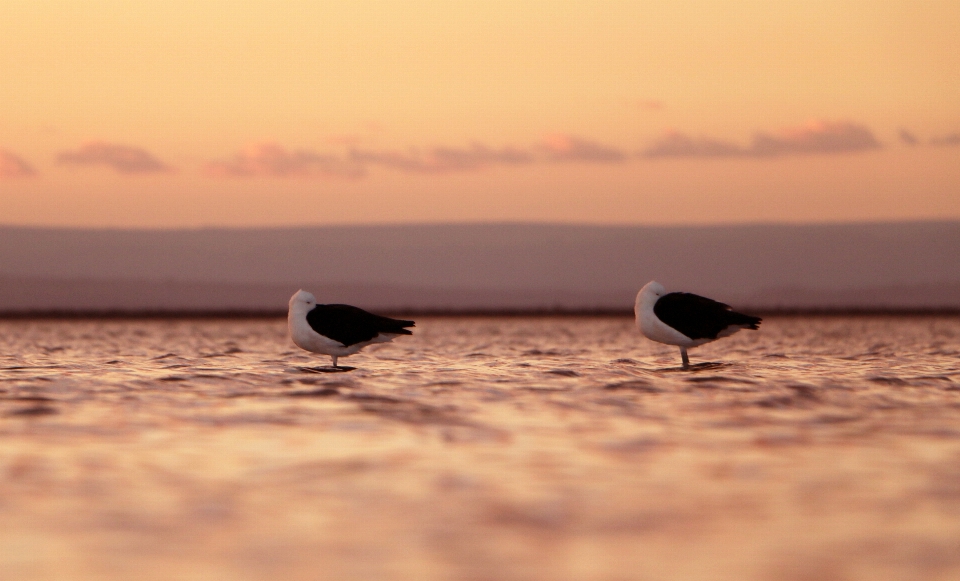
(480, 449)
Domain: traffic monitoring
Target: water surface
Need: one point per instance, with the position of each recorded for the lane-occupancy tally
(481, 449)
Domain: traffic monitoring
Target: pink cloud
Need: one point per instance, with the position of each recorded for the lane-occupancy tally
(125, 159)
(815, 137)
(443, 159)
(270, 159)
(566, 148)
(14, 166)
(675, 144)
(951, 139)
(908, 138)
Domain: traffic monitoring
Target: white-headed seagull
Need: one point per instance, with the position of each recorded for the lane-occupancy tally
(686, 320)
(338, 330)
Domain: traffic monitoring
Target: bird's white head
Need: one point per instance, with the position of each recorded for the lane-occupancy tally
(302, 300)
(649, 295)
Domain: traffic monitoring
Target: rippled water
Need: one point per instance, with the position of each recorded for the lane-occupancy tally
(481, 449)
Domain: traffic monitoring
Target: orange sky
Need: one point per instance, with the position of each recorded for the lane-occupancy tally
(185, 113)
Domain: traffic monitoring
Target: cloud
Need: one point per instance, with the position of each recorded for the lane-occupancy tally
(569, 148)
(443, 159)
(125, 159)
(14, 166)
(951, 139)
(675, 144)
(815, 137)
(270, 159)
(819, 137)
(908, 138)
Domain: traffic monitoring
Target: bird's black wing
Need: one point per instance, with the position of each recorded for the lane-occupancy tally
(350, 325)
(699, 317)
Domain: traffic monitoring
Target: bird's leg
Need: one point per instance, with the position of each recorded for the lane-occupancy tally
(683, 356)
(334, 360)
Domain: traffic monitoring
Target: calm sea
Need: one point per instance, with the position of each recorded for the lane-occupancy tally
(481, 449)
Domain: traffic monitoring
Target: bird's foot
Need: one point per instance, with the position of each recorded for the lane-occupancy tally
(695, 367)
(708, 365)
(327, 369)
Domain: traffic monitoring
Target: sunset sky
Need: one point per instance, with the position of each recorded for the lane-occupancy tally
(179, 113)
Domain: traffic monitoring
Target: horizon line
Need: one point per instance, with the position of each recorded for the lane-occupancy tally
(722, 224)
(163, 314)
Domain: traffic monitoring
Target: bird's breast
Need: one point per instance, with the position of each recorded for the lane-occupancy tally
(305, 337)
(655, 329)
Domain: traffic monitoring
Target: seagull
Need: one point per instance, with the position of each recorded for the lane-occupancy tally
(338, 330)
(686, 320)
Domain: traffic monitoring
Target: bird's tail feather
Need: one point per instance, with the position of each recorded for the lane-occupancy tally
(748, 321)
(397, 326)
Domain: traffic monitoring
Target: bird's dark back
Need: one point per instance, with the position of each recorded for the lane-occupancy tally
(699, 317)
(350, 325)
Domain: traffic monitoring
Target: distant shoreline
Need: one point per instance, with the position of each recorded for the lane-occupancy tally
(467, 313)
(505, 269)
